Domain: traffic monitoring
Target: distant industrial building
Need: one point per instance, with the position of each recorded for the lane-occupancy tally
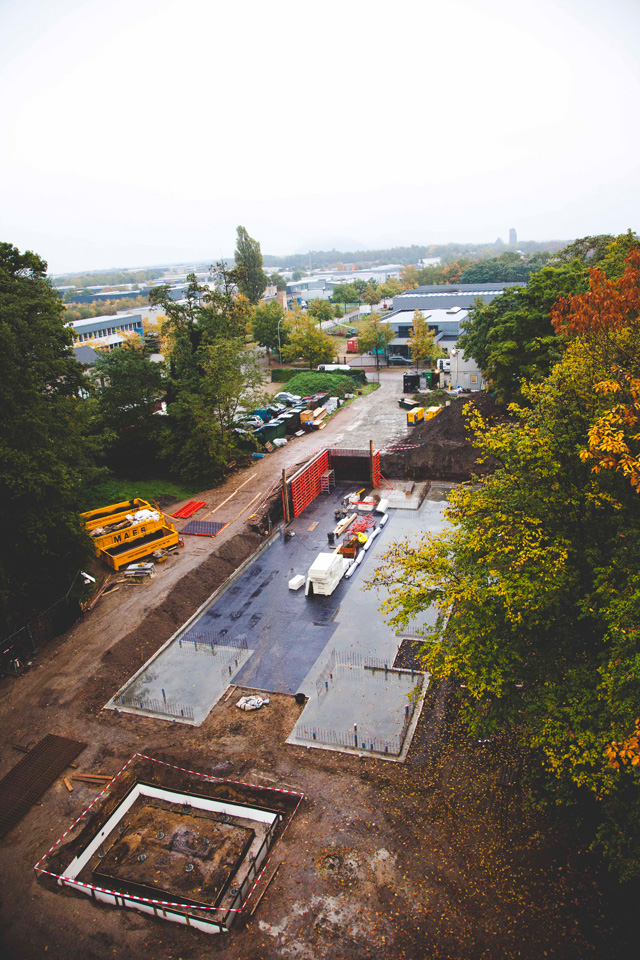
(105, 333)
(444, 307)
(321, 285)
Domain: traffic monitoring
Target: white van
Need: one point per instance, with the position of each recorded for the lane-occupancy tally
(334, 367)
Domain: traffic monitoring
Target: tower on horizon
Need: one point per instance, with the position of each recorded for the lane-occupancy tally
(513, 237)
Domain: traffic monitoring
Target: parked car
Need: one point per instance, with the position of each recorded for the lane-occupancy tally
(397, 360)
(289, 398)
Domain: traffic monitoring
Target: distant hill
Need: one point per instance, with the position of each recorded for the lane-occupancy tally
(327, 259)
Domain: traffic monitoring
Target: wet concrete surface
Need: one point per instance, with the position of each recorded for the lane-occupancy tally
(260, 634)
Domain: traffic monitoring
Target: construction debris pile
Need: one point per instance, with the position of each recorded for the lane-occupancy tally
(357, 532)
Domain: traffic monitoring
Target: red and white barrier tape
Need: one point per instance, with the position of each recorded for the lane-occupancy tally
(164, 903)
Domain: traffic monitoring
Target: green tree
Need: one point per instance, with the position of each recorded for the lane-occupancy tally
(375, 336)
(321, 310)
(588, 250)
(512, 338)
(409, 277)
(267, 327)
(306, 340)
(252, 280)
(345, 293)
(129, 387)
(536, 582)
(207, 327)
(371, 294)
(278, 281)
(46, 447)
(390, 288)
(422, 341)
(508, 267)
(232, 377)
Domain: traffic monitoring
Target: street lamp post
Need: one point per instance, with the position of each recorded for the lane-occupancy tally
(279, 347)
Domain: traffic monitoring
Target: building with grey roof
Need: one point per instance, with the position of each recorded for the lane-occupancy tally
(445, 308)
(444, 296)
(108, 332)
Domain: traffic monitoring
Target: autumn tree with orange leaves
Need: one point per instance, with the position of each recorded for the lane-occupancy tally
(536, 582)
(607, 319)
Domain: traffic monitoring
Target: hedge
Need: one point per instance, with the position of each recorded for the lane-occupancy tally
(282, 374)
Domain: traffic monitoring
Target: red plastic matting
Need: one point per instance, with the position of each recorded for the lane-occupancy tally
(203, 528)
(376, 469)
(188, 509)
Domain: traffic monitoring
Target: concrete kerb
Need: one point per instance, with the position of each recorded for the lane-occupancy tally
(112, 703)
(366, 754)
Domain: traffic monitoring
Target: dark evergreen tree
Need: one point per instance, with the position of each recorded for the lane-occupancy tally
(45, 450)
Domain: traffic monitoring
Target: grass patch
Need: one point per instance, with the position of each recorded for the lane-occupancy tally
(369, 388)
(115, 489)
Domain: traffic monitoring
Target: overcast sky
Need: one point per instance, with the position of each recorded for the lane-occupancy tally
(142, 131)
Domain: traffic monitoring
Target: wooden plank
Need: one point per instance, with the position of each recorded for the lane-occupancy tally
(67, 784)
(268, 884)
(92, 776)
(228, 498)
(312, 526)
(342, 526)
(244, 508)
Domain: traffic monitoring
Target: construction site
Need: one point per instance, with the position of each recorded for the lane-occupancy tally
(231, 740)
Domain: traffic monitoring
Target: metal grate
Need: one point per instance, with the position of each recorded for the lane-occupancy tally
(29, 779)
(203, 528)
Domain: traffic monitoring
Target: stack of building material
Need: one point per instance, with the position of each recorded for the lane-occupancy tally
(325, 574)
(344, 523)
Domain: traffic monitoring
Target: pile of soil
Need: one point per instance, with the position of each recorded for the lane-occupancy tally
(445, 450)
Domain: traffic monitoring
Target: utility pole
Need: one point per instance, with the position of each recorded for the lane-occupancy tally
(285, 498)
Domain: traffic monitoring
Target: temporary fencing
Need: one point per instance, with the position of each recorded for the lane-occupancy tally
(164, 707)
(18, 647)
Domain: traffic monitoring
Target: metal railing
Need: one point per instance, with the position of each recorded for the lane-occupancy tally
(352, 740)
(164, 707)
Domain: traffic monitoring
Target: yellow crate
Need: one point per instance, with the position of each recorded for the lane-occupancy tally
(127, 534)
(415, 415)
(114, 513)
(121, 555)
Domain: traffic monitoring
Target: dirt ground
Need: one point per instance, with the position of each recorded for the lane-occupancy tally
(443, 448)
(437, 857)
